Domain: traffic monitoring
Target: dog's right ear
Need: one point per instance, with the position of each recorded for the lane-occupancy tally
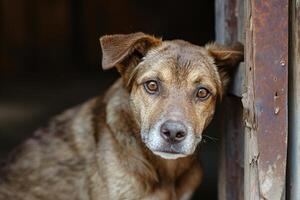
(226, 59)
(122, 50)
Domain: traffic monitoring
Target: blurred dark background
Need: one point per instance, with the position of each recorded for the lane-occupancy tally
(50, 58)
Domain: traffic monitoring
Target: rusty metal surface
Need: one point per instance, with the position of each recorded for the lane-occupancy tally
(265, 102)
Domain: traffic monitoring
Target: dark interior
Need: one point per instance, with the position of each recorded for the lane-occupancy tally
(50, 59)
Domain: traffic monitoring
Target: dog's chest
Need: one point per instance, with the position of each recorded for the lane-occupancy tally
(117, 183)
(122, 182)
(124, 186)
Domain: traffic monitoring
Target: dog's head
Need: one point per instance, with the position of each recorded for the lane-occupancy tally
(173, 86)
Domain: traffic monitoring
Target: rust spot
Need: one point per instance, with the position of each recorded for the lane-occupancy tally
(276, 97)
(276, 110)
(282, 63)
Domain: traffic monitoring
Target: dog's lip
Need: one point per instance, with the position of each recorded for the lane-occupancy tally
(169, 154)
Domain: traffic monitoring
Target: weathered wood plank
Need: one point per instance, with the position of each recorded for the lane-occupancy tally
(237, 86)
(234, 142)
(229, 29)
(226, 21)
(294, 102)
(265, 100)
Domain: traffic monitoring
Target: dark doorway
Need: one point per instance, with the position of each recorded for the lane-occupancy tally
(50, 58)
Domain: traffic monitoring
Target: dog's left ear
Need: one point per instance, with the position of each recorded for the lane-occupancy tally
(226, 59)
(226, 56)
(118, 50)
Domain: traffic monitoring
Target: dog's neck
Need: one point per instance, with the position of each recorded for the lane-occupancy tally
(126, 133)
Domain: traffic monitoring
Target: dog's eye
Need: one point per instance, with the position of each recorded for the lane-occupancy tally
(151, 86)
(203, 93)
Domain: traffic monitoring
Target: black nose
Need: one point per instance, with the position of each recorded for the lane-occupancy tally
(173, 131)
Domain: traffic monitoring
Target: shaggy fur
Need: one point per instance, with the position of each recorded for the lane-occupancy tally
(101, 149)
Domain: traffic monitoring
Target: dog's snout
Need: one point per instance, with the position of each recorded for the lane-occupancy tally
(173, 131)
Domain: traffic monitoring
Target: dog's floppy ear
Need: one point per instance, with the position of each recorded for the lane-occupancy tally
(226, 56)
(226, 59)
(116, 49)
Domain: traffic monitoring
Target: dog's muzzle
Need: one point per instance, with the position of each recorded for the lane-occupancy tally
(170, 139)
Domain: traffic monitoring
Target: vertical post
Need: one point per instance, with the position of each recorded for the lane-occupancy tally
(294, 102)
(265, 100)
(229, 29)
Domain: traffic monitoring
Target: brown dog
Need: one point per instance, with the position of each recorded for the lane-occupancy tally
(139, 141)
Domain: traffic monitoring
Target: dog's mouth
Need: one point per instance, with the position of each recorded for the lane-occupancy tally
(168, 148)
(169, 154)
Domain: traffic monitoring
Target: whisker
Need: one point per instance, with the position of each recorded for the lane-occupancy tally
(211, 138)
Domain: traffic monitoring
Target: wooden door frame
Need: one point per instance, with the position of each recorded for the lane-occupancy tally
(293, 189)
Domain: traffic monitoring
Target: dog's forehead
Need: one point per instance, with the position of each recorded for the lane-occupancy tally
(182, 51)
(181, 55)
(183, 60)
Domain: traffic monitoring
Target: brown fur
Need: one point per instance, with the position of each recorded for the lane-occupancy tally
(96, 151)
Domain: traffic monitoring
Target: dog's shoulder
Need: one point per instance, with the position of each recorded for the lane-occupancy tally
(57, 153)
(65, 132)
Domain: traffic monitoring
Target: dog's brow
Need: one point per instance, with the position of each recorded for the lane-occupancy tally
(197, 79)
(160, 70)
(204, 80)
(198, 74)
(154, 74)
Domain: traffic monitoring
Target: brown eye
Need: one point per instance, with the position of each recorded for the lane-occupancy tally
(151, 87)
(203, 93)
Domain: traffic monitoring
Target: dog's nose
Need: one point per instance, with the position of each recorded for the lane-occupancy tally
(173, 131)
